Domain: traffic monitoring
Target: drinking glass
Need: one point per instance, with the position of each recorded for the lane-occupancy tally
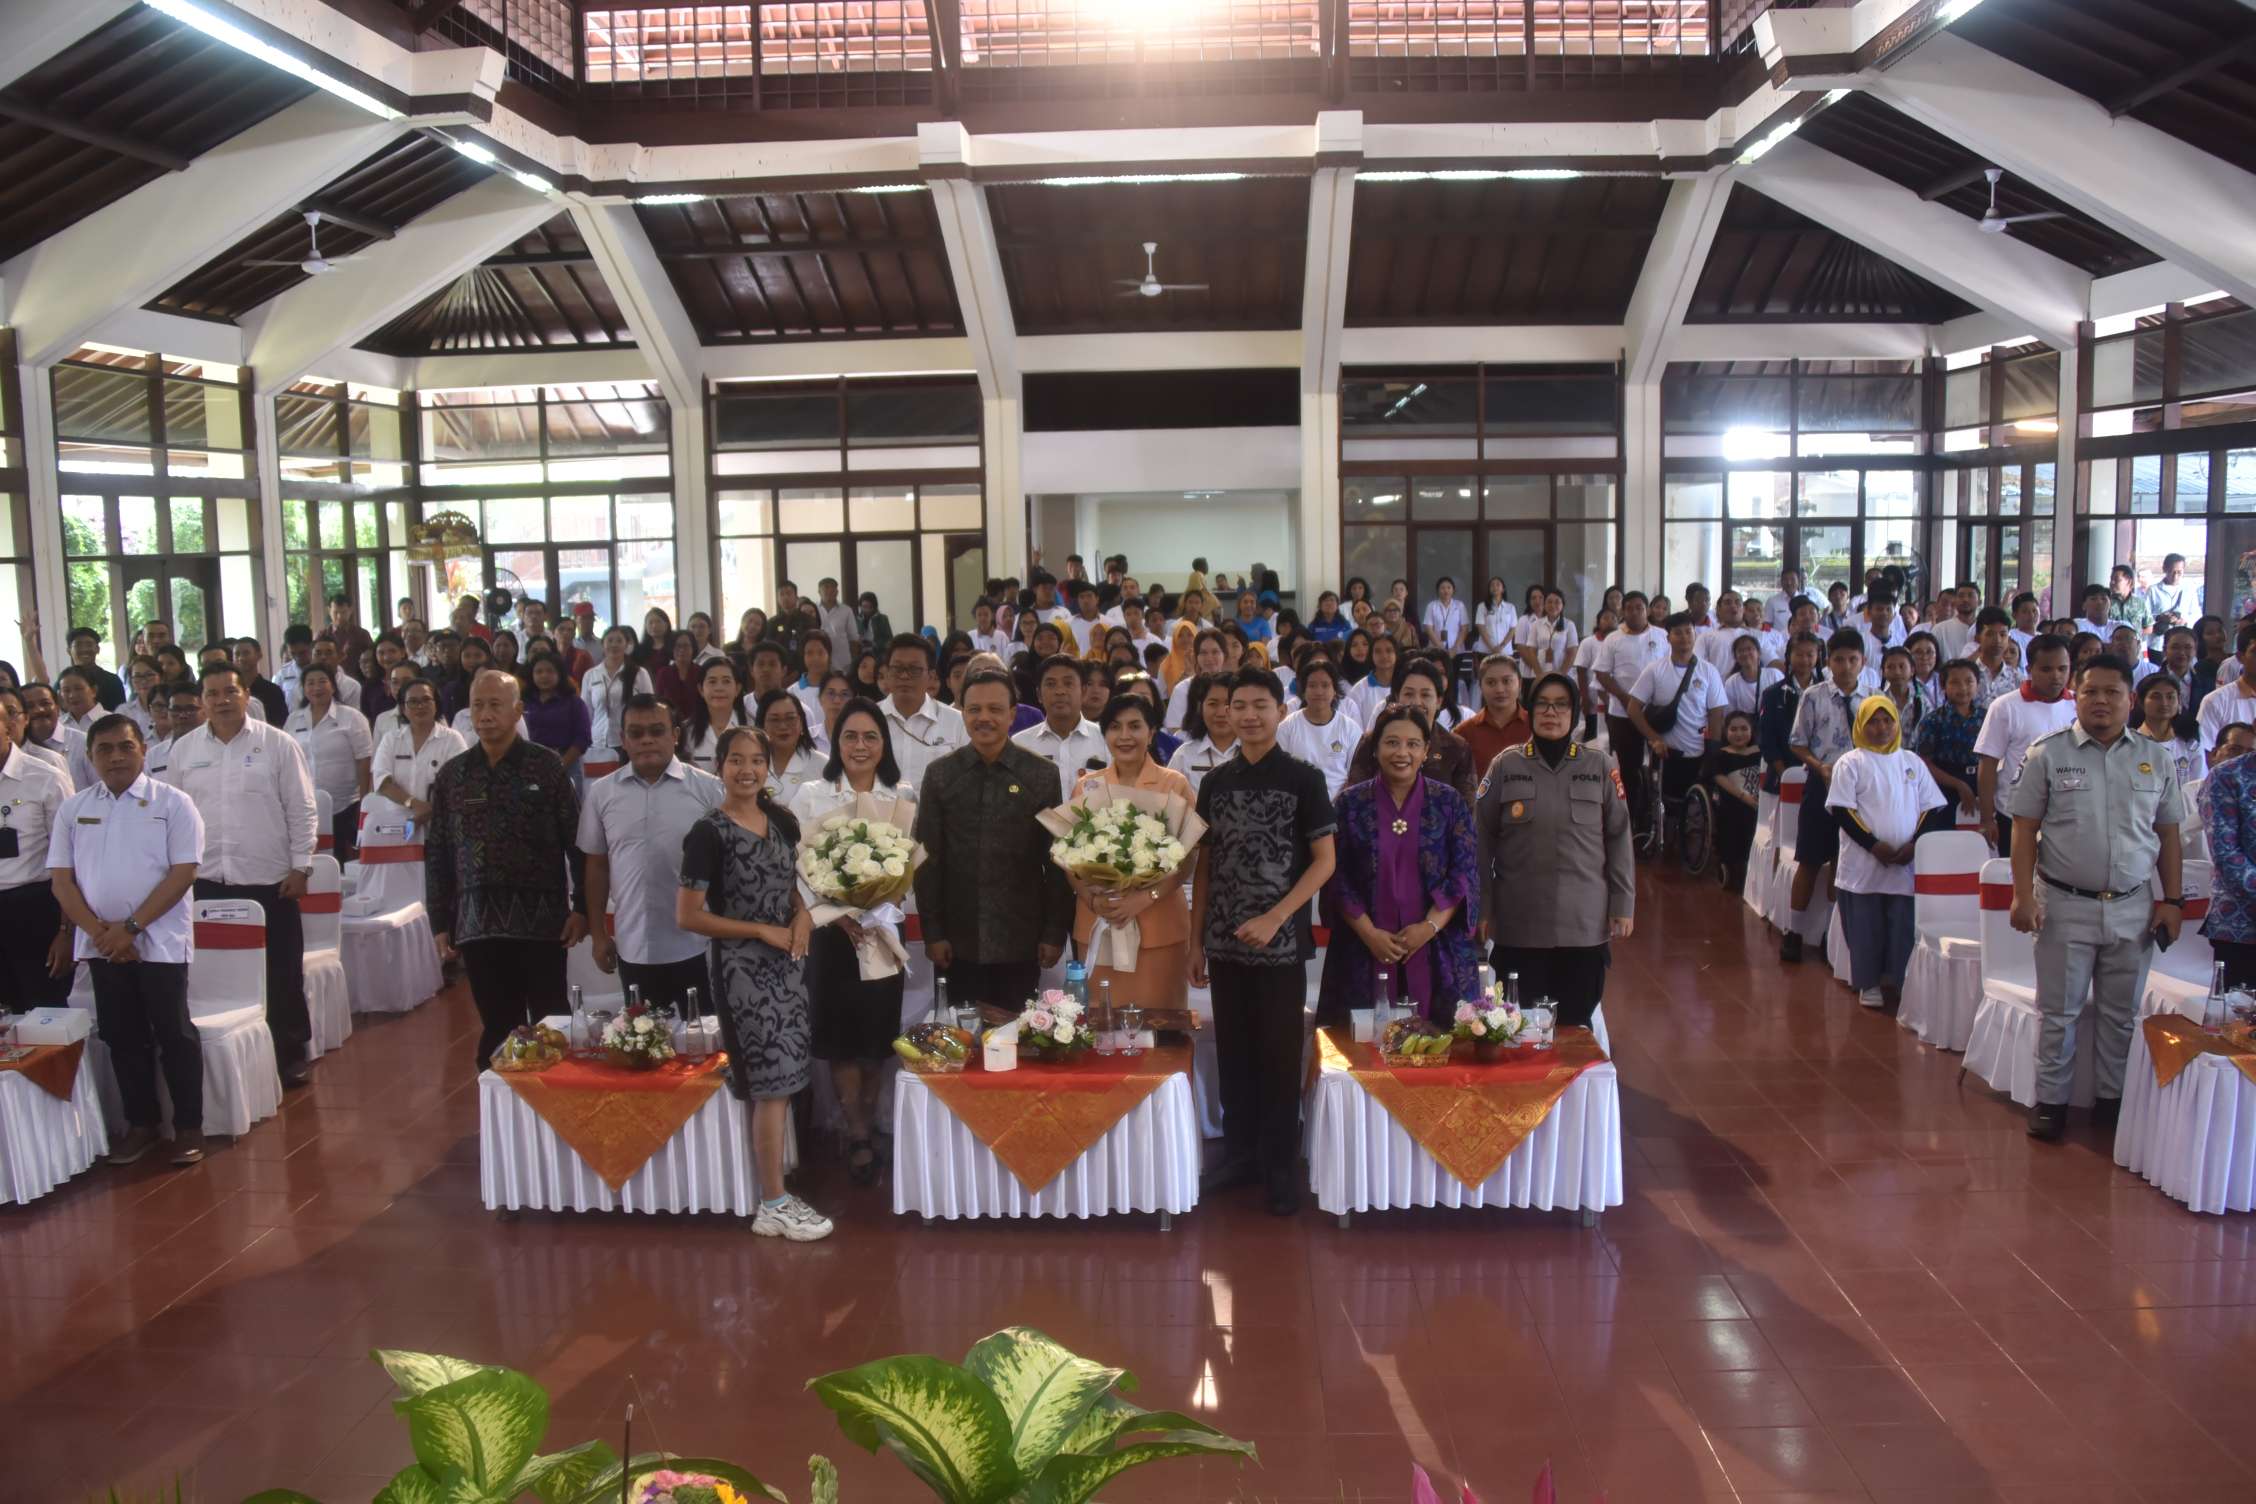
(1131, 1020)
(1542, 1024)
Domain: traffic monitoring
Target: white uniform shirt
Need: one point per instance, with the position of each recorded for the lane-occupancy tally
(1084, 633)
(80, 724)
(1954, 638)
(1703, 692)
(2011, 724)
(1779, 609)
(2022, 640)
(31, 794)
(1493, 627)
(2184, 753)
(1198, 757)
(1876, 643)
(1742, 695)
(606, 695)
(1444, 621)
(332, 748)
(117, 848)
(704, 749)
(157, 756)
(138, 713)
(2228, 703)
(1889, 792)
(1179, 706)
(2184, 598)
(1714, 647)
(1586, 659)
(386, 722)
(53, 759)
(1070, 753)
(1554, 642)
(922, 739)
(639, 827)
(805, 766)
(992, 642)
(1626, 655)
(1329, 747)
(1365, 699)
(70, 746)
(414, 768)
(255, 795)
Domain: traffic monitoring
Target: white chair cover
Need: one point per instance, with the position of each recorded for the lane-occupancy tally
(393, 957)
(1361, 1159)
(706, 1167)
(44, 1142)
(1147, 1162)
(324, 822)
(390, 869)
(1943, 982)
(328, 995)
(1793, 785)
(2001, 1045)
(1762, 855)
(227, 998)
(1837, 949)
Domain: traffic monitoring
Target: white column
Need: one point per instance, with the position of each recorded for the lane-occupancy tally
(1323, 326)
(50, 589)
(1642, 492)
(1007, 545)
(273, 567)
(694, 563)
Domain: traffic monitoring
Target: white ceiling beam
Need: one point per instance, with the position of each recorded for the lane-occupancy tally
(630, 267)
(2047, 297)
(935, 355)
(35, 32)
(441, 373)
(1673, 264)
(1696, 342)
(1500, 344)
(975, 260)
(1174, 350)
(127, 253)
(291, 335)
(171, 333)
(2147, 287)
(2197, 210)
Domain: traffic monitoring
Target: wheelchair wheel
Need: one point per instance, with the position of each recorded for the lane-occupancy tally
(1696, 843)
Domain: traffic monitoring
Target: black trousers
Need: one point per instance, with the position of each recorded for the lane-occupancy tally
(286, 1013)
(1630, 754)
(2239, 957)
(2005, 838)
(1573, 976)
(344, 831)
(991, 984)
(30, 918)
(670, 982)
(513, 982)
(141, 1009)
(1260, 1034)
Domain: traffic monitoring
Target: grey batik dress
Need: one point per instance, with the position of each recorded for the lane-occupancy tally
(760, 991)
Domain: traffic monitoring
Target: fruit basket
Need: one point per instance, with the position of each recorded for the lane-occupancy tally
(1415, 1044)
(934, 1049)
(530, 1047)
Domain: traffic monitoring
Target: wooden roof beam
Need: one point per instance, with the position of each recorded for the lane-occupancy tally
(2192, 72)
(374, 229)
(15, 107)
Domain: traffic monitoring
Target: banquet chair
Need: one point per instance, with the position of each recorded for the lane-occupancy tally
(385, 934)
(2001, 1046)
(1762, 855)
(1943, 982)
(324, 822)
(2178, 980)
(227, 999)
(1793, 784)
(328, 998)
(2194, 832)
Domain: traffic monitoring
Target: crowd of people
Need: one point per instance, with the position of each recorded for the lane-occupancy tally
(1374, 772)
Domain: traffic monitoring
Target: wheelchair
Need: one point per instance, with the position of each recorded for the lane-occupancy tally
(1697, 843)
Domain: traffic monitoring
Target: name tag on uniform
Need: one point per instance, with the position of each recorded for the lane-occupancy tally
(2073, 779)
(89, 819)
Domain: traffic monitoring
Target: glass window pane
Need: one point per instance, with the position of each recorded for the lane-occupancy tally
(375, 432)
(936, 412)
(2009, 491)
(188, 533)
(306, 425)
(1691, 551)
(1964, 405)
(1697, 402)
(1826, 493)
(2032, 386)
(580, 518)
(2041, 490)
(2240, 480)
(811, 512)
(647, 579)
(887, 567)
(1440, 551)
(364, 525)
(744, 513)
(954, 508)
(767, 417)
(1585, 567)
(606, 427)
(1517, 556)
(481, 433)
(1891, 541)
(1694, 496)
(137, 525)
(1410, 407)
(881, 511)
(2219, 354)
(329, 516)
(1515, 497)
(1826, 559)
(1891, 493)
(1761, 493)
(584, 574)
(2146, 484)
(203, 417)
(98, 404)
(1550, 403)
(88, 584)
(2193, 483)
(1449, 499)
(645, 517)
(1375, 553)
(1757, 555)
(1586, 496)
(1372, 500)
(517, 520)
(85, 526)
(747, 576)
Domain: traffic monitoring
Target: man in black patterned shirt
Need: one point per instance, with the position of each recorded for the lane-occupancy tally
(501, 869)
(1268, 849)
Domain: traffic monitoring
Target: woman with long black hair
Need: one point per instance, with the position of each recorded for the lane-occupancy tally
(719, 706)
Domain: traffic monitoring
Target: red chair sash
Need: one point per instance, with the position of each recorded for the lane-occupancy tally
(214, 934)
(377, 856)
(594, 770)
(2196, 908)
(1947, 884)
(1998, 896)
(322, 903)
(912, 930)
(326, 841)
(1791, 793)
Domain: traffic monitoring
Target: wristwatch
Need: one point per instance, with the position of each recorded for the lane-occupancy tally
(2175, 903)
(132, 925)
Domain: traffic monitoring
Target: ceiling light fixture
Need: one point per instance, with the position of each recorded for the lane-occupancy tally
(533, 180)
(474, 151)
(1467, 175)
(1762, 148)
(655, 200)
(1955, 9)
(2037, 425)
(888, 188)
(1139, 179)
(222, 30)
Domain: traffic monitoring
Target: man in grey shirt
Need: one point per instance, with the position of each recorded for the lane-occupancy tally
(631, 830)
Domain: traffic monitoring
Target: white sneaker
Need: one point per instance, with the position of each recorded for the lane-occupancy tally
(791, 1218)
(1871, 998)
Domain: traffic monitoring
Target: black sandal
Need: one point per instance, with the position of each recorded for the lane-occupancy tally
(861, 1171)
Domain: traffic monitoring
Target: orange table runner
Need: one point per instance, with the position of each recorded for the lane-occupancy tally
(1469, 1117)
(1040, 1118)
(2174, 1040)
(616, 1119)
(53, 1068)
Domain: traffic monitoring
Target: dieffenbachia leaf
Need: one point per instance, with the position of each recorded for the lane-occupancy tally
(943, 1424)
(488, 1425)
(1045, 1391)
(1070, 1479)
(420, 1373)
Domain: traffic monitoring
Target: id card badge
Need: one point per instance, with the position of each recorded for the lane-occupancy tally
(8, 842)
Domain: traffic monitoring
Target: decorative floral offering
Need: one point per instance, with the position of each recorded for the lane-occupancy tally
(669, 1487)
(639, 1039)
(858, 862)
(1491, 1022)
(1117, 845)
(1054, 1026)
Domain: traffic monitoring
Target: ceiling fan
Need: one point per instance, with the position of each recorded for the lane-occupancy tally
(1151, 286)
(1994, 223)
(315, 264)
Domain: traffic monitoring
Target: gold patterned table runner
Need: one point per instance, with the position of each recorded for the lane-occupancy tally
(53, 1068)
(616, 1119)
(1040, 1118)
(2174, 1040)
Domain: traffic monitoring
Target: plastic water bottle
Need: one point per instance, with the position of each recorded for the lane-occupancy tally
(579, 1025)
(1487, 982)
(2215, 1011)
(1512, 989)
(1077, 984)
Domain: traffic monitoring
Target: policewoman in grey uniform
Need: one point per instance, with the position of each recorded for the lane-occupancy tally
(2095, 821)
(1555, 857)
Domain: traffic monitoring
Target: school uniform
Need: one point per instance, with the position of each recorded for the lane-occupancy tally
(1877, 797)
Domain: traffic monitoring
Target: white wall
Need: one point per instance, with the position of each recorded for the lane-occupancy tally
(1161, 532)
(1162, 459)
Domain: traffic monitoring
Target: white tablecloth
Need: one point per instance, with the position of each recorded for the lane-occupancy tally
(706, 1167)
(328, 1001)
(1941, 990)
(1360, 1159)
(2195, 1139)
(391, 958)
(1148, 1162)
(43, 1141)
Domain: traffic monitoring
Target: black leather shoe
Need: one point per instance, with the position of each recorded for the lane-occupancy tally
(2048, 1121)
(1227, 1177)
(2107, 1112)
(1790, 948)
(1284, 1201)
(296, 1076)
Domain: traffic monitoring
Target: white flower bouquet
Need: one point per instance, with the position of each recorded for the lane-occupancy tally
(1493, 1026)
(859, 864)
(1052, 1026)
(1118, 839)
(639, 1039)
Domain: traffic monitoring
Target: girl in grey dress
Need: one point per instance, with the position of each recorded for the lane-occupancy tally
(740, 889)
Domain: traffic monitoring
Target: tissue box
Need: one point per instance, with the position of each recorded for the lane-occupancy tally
(1001, 1048)
(55, 1025)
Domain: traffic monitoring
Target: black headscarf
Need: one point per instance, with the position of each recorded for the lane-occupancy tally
(1554, 749)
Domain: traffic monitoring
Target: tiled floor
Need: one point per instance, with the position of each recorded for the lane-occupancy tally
(1842, 1274)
